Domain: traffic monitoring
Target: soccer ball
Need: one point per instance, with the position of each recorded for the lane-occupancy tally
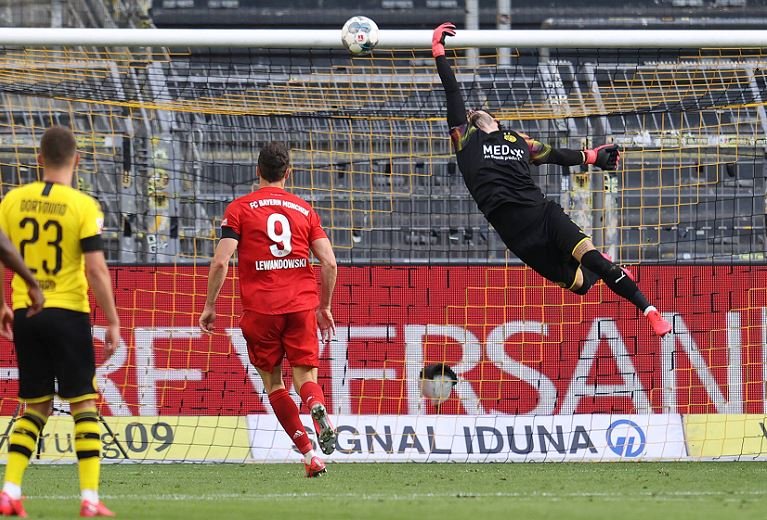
(359, 34)
(437, 382)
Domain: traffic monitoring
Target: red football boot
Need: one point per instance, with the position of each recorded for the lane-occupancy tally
(660, 326)
(11, 506)
(316, 468)
(91, 509)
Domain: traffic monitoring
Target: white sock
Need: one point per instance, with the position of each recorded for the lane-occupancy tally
(308, 456)
(649, 309)
(90, 495)
(12, 490)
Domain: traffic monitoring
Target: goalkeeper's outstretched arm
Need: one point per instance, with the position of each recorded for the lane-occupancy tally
(456, 110)
(606, 157)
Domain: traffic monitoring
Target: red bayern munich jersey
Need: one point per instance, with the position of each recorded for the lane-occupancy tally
(275, 229)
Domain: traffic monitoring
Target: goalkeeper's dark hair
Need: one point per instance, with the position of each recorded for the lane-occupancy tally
(273, 161)
(57, 146)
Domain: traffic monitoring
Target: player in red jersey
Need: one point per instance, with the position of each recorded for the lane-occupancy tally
(273, 232)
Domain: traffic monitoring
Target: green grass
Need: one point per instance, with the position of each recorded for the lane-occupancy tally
(614, 491)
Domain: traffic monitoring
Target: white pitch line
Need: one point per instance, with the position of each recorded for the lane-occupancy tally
(675, 495)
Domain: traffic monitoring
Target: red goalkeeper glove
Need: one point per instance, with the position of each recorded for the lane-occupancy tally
(438, 38)
(607, 156)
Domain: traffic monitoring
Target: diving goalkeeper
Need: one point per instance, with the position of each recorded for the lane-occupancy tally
(495, 164)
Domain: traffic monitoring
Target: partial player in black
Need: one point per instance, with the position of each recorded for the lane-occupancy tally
(495, 164)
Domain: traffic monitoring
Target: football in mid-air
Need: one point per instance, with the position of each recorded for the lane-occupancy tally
(359, 34)
(437, 382)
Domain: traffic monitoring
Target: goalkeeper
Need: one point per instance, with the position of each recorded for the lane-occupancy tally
(495, 164)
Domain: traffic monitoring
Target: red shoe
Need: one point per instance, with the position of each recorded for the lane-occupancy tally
(316, 468)
(11, 506)
(660, 326)
(91, 509)
(625, 270)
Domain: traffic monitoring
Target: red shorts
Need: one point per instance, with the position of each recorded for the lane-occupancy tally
(271, 337)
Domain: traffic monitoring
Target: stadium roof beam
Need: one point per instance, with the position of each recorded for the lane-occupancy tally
(389, 39)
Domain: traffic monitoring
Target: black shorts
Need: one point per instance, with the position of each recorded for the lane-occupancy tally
(54, 347)
(543, 238)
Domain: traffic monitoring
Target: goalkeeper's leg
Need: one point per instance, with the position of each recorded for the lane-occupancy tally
(620, 282)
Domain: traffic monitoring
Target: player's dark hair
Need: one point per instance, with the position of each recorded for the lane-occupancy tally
(57, 146)
(273, 161)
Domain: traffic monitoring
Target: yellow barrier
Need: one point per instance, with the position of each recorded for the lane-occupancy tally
(723, 435)
(193, 439)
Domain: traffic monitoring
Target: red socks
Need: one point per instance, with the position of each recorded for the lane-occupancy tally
(311, 394)
(287, 413)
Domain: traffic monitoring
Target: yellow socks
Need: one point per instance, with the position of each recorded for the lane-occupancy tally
(21, 445)
(88, 449)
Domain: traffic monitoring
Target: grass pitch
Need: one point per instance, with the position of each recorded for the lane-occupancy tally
(613, 491)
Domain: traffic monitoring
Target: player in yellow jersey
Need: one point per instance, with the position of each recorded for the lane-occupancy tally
(57, 229)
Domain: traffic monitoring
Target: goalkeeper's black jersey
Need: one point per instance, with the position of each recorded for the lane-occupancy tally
(496, 166)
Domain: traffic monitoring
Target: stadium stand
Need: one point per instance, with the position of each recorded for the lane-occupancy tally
(674, 207)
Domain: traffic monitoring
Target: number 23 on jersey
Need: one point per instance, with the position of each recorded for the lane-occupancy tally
(44, 238)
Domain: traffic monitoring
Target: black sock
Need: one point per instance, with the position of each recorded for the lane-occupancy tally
(615, 278)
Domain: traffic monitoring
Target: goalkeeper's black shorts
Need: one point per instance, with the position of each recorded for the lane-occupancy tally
(543, 237)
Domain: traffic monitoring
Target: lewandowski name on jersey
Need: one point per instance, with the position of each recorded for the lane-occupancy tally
(285, 263)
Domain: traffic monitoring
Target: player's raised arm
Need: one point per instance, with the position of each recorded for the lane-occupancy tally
(328, 272)
(456, 110)
(219, 267)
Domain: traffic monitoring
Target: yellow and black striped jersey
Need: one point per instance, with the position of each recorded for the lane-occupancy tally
(52, 225)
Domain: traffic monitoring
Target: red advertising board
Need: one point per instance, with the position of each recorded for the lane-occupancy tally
(519, 345)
